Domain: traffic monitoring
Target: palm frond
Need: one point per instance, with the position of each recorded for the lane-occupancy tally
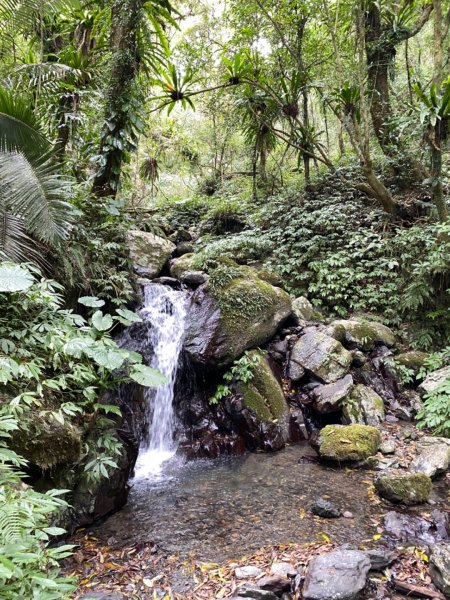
(15, 244)
(35, 192)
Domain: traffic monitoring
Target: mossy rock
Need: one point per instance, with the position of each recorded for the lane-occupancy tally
(148, 252)
(413, 360)
(48, 444)
(181, 265)
(365, 334)
(363, 406)
(234, 311)
(402, 486)
(348, 443)
(263, 393)
(303, 310)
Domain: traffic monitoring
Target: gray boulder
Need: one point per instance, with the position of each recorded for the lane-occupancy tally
(194, 279)
(440, 567)
(252, 591)
(329, 397)
(322, 355)
(434, 380)
(433, 458)
(363, 334)
(339, 575)
(181, 265)
(148, 252)
(363, 406)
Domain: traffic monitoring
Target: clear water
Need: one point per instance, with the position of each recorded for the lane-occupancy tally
(227, 508)
(164, 313)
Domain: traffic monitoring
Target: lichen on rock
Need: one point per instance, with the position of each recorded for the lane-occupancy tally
(363, 406)
(364, 334)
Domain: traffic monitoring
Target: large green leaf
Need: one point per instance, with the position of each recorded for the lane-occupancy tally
(14, 278)
(109, 358)
(147, 376)
(101, 322)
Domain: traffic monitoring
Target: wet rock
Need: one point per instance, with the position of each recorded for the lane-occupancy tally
(194, 279)
(413, 530)
(402, 486)
(380, 558)
(248, 571)
(148, 252)
(363, 406)
(440, 567)
(234, 311)
(277, 584)
(339, 575)
(184, 248)
(359, 358)
(277, 349)
(260, 412)
(170, 281)
(297, 426)
(181, 265)
(325, 509)
(365, 335)
(295, 371)
(283, 569)
(251, 591)
(434, 380)
(303, 310)
(433, 459)
(348, 443)
(322, 355)
(180, 235)
(329, 397)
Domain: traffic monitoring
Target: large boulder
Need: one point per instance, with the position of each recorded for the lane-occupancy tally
(363, 334)
(434, 380)
(350, 443)
(148, 252)
(363, 406)
(322, 355)
(403, 486)
(329, 397)
(434, 456)
(234, 311)
(440, 568)
(338, 575)
(258, 409)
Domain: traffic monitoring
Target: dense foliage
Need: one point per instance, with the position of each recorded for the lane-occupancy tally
(310, 141)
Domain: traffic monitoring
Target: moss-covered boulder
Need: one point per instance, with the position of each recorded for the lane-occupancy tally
(235, 310)
(259, 409)
(148, 252)
(364, 406)
(348, 443)
(47, 443)
(364, 334)
(181, 265)
(413, 360)
(403, 486)
(322, 355)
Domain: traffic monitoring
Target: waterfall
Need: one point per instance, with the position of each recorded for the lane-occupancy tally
(164, 314)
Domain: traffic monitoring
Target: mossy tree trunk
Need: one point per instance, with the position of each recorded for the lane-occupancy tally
(125, 17)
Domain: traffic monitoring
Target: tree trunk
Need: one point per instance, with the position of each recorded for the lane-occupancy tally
(115, 136)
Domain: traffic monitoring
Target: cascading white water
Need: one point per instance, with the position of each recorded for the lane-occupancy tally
(164, 312)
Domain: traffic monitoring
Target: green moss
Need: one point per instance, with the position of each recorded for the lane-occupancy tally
(412, 360)
(46, 444)
(409, 488)
(349, 443)
(263, 393)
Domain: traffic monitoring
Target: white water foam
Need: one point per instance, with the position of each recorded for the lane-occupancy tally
(165, 313)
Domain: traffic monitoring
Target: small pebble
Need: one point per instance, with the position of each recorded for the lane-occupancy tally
(347, 514)
(248, 571)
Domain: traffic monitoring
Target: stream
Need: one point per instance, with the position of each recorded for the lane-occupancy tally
(223, 509)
